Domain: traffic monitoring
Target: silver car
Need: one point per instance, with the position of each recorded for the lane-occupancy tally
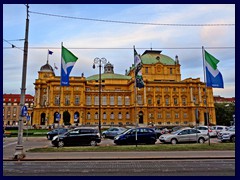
(184, 135)
(113, 131)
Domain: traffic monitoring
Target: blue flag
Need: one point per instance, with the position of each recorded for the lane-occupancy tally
(50, 52)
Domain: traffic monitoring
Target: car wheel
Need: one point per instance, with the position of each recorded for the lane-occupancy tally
(201, 140)
(174, 141)
(232, 139)
(60, 144)
(104, 135)
(93, 143)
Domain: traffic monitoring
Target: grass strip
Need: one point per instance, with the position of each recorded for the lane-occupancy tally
(124, 148)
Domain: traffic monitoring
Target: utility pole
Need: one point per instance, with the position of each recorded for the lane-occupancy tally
(19, 153)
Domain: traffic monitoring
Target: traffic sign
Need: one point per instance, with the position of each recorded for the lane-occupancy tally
(58, 117)
(24, 111)
(28, 118)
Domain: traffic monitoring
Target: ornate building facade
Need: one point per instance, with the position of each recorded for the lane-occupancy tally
(165, 100)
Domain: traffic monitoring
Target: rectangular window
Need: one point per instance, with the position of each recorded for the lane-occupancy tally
(167, 101)
(150, 115)
(119, 100)
(168, 115)
(159, 116)
(67, 100)
(139, 99)
(175, 101)
(127, 100)
(184, 101)
(88, 100)
(96, 100)
(176, 115)
(104, 100)
(146, 70)
(149, 101)
(77, 100)
(112, 100)
(185, 115)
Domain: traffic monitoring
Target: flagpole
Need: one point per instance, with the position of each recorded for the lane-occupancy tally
(204, 70)
(47, 56)
(60, 92)
(135, 93)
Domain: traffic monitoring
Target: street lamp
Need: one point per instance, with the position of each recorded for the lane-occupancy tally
(19, 152)
(99, 62)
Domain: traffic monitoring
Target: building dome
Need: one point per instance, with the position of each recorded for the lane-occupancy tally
(153, 57)
(46, 68)
(108, 68)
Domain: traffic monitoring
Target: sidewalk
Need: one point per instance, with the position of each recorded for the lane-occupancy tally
(154, 155)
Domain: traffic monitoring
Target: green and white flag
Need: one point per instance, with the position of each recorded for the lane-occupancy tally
(68, 61)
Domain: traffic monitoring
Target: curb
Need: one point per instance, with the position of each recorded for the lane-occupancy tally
(119, 158)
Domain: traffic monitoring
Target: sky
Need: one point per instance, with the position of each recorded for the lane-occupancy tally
(114, 41)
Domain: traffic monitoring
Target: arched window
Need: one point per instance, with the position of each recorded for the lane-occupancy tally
(88, 116)
(119, 115)
(96, 115)
(112, 115)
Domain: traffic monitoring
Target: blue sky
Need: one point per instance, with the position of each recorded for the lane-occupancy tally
(47, 32)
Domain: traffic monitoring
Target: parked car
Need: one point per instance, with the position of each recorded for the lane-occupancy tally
(113, 131)
(218, 129)
(184, 135)
(228, 135)
(78, 136)
(160, 131)
(55, 132)
(144, 136)
(206, 129)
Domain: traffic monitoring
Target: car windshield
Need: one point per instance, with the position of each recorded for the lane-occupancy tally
(176, 132)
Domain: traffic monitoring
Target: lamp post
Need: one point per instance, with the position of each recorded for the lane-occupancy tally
(99, 62)
(19, 153)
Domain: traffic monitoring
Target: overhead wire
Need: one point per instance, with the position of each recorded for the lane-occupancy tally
(127, 22)
(127, 48)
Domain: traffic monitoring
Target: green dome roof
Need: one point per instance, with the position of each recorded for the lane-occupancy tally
(108, 76)
(153, 57)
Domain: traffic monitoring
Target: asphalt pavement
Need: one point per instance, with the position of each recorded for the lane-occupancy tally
(9, 145)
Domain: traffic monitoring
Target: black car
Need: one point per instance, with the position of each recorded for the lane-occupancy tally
(55, 132)
(78, 136)
(144, 135)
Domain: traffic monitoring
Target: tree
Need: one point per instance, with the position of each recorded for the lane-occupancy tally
(224, 113)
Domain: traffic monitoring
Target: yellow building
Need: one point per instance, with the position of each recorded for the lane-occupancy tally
(165, 100)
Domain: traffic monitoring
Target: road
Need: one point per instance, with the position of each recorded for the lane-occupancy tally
(215, 167)
(112, 164)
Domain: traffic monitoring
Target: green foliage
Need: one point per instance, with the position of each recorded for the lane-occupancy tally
(224, 113)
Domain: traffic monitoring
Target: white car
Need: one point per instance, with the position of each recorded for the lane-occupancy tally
(205, 130)
(218, 129)
(228, 135)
